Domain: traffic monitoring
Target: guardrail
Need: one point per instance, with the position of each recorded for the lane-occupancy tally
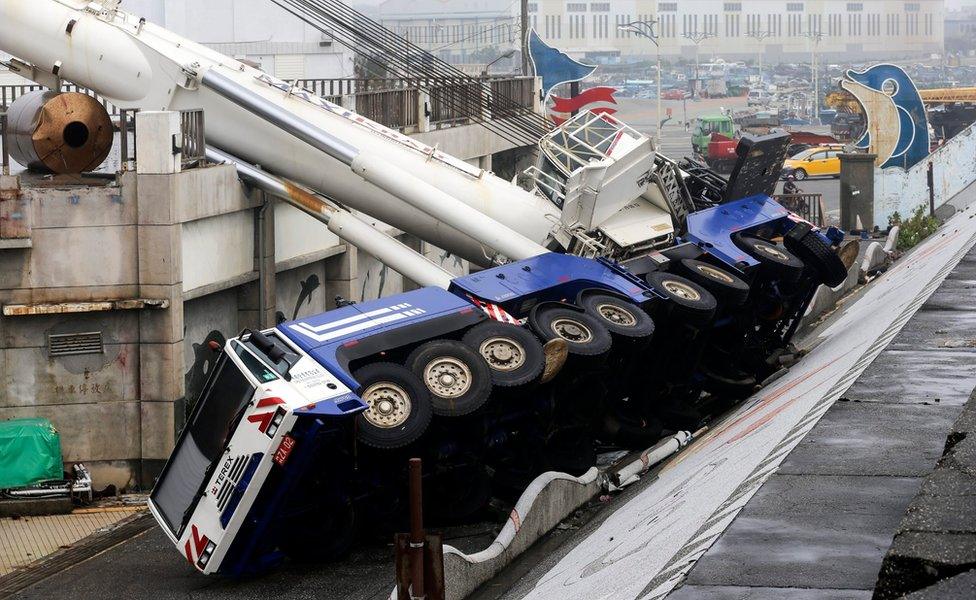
(808, 206)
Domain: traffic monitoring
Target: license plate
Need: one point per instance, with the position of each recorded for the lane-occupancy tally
(284, 450)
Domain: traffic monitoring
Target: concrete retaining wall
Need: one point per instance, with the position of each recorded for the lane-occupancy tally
(954, 169)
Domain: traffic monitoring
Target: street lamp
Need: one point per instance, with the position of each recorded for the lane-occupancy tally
(508, 54)
(697, 37)
(646, 29)
(760, 36)
(815, 38)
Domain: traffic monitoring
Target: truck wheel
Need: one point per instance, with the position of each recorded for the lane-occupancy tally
(799, 174)
(722, 284)
(399, 406)
(687, 297)
(585, 335)
(619, 316)
(513, 354)
(774, 258)
(457, 377)
(817, 255)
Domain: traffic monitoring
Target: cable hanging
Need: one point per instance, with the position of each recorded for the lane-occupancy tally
(445, 83)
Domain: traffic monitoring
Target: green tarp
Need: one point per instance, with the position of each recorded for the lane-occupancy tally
(30, 451)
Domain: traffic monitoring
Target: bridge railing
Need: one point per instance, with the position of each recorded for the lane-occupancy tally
(390, 102)
(808, 206)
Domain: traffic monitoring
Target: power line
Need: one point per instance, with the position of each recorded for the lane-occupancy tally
(395, 54)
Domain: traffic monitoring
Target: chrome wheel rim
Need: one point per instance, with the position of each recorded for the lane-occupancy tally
(502, 353)
(572, 330)
(389, 405)
(681, 290)
(447, 377)
(715, 274)
(617, 315)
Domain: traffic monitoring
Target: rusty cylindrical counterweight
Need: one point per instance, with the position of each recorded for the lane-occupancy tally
(59, 133)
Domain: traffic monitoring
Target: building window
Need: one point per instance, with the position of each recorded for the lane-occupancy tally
(912, 7)
(533, 7)
(794, 7)
(855, 6)
(576, 7)
(600, 7)
(733, 7)
(667, 7)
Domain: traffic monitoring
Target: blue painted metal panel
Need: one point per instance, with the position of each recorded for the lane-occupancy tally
(712, 228)
(520, 285)
(323, 334)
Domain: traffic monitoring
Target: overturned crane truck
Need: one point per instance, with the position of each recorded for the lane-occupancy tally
(603, 248)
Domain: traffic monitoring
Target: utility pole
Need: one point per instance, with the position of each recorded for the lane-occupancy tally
(525, 37)
(760, 36)
(815, 37)
(697, 37)
(646, 29)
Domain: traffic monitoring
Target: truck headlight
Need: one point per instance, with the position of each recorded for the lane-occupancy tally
(206, 554)
(275, 423)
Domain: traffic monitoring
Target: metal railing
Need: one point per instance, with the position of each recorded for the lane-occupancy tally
(390, 102)
(194, 145)
(808, 206)
(9, 93)
(127, 151)
(394, 108)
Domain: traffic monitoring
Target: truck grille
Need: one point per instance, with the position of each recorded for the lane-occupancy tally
(227, 489)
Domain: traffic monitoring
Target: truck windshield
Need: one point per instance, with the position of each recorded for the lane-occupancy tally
(202, 442)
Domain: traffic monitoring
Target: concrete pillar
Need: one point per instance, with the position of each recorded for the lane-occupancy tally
(417, 245)
(484, 162)
(857, 190)
(158, 141)
(349, 102)
(423, 111)
(161, 364)
(538, 100)
(257, 300)
(342, 277)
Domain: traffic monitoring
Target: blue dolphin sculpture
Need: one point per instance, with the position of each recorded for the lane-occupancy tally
(895, 113)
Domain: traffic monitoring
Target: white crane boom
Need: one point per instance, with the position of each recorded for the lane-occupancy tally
(135, 64)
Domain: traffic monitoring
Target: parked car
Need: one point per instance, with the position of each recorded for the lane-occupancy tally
(821, 161)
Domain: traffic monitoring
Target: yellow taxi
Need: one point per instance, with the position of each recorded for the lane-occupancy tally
(820, 161)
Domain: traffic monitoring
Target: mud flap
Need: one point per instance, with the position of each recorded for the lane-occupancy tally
(556, 352)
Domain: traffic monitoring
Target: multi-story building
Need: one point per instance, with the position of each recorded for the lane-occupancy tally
(459, 31)
(256, 30)
(960, 29)
(783, 31)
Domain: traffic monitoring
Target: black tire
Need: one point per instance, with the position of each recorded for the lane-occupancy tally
(819, 256)
(687, 297)
(514, 355)
(406, 414)
(799, 174)
(723, 285)
(457, 378)
(775, 259)
(622, 318)
(585, 335)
